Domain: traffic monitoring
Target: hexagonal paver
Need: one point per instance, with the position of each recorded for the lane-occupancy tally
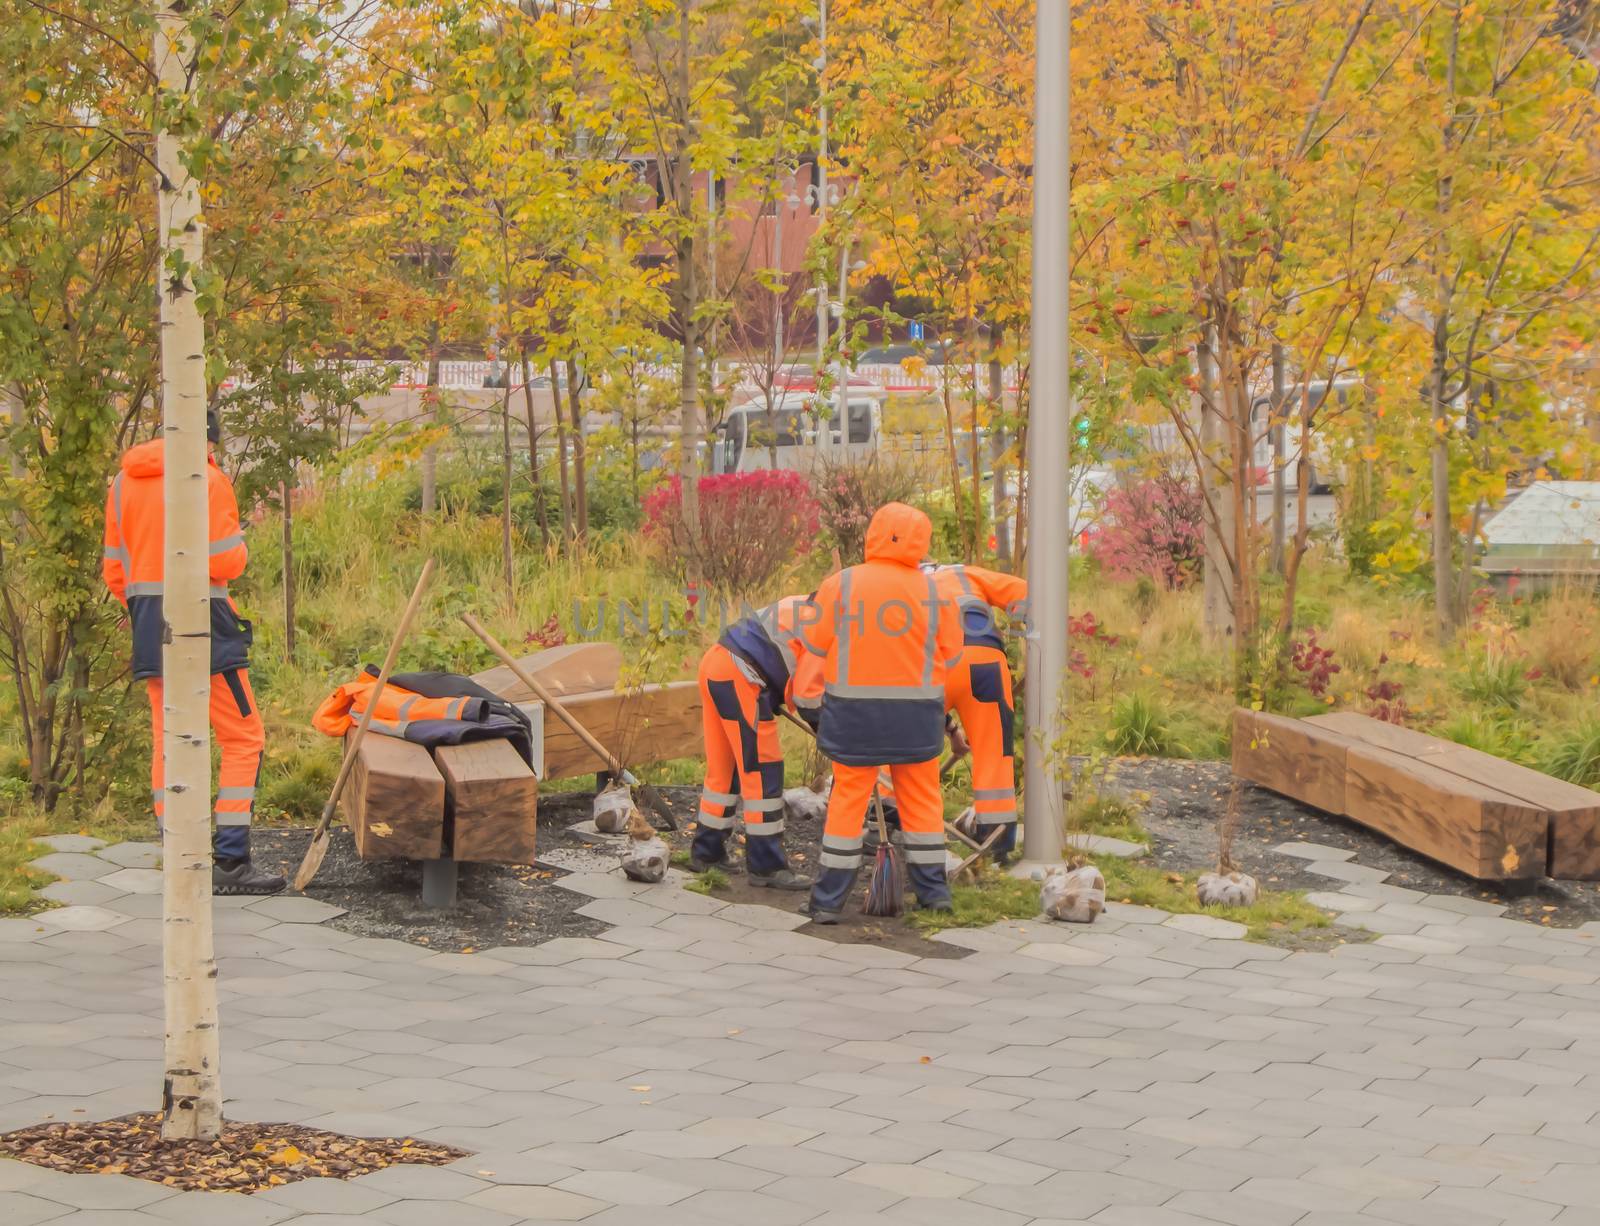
(1212, 926)
(71, 842)
(132, 855)
(1313, 851)
(21, 1209)
(80, 893)
(105, 1192)
(81, 919)
(74, 866)
(134, 880)
(295, 909)
(525, 1201)
(409, 1181)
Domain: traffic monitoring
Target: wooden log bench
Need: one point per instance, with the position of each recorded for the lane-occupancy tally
(478, 802)
(1485, 817)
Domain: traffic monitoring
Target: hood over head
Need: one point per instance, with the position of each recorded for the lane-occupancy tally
(145, 460)
(149, 459)
(898, 533)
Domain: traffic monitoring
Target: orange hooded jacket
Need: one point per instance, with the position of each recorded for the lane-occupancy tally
(975, 592)
(135, 557)
(886, 638)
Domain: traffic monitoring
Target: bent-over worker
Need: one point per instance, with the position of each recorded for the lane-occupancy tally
(745, 677)
(886, 645)
(978, 690)
(133, 567)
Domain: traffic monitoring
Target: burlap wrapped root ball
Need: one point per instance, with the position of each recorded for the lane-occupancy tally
(645, 855)
(805, 804)
(1074, 894)
(1227, 889)
(613, 808)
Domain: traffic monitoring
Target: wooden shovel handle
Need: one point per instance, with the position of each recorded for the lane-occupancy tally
(389, 659)
(543, 695)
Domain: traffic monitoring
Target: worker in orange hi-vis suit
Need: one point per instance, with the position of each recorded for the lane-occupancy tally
(978, 690)
(133, 567)
(886, 640)
(745, 677)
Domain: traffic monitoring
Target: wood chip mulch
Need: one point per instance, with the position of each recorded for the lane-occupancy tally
(246, 1158)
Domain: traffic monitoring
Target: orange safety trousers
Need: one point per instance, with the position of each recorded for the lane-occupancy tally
(978, 690)
(917, 796)
(741, 741)
(236, 722)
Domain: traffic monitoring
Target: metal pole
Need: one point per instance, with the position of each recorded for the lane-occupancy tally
(823, 431)
(842, 389)
(1045, 655)
(1280, 492)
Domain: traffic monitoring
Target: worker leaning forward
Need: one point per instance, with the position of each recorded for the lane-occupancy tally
(978, 690)
(133, 568)
(744, 679)
(886, 642)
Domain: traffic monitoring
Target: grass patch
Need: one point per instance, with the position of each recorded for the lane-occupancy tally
(995, 896)
(18, 882)
(1574, 755)
(712, 879)
(1143, 885)
(1112, 817)
(1141, 727)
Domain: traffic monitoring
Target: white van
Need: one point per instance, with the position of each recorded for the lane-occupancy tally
(1324, 399)
(747, 440)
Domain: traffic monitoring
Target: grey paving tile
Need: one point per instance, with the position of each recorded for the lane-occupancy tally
(132, 855)
(21, 1209)
(80, 919)
(295, 909)
(104, 1192)
(71, 842)
(431, 1213)
(218, 1209)
(81, 893)
(534, 1203)
(329, 1196)
(74, 866)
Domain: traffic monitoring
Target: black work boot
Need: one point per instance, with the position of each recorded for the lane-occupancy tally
(229, 876)
(818, 914)
(782, 879)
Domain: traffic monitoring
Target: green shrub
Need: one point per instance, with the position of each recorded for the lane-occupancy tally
(1503, 738)
(1574, 755)
(297, 787)
(1142, 727)
(1494, 682)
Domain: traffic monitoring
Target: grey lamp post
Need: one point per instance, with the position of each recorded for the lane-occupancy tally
(1045, 656)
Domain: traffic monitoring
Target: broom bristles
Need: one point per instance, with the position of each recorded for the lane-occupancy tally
(885, 893)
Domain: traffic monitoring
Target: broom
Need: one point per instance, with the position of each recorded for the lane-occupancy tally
(886, 889)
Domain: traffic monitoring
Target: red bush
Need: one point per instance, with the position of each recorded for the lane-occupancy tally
(1152, 526)
(752, 525)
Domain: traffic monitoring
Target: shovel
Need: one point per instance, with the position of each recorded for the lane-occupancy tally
(319, 841)
(652, 797)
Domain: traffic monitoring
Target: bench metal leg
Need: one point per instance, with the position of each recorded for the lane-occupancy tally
(439, 882)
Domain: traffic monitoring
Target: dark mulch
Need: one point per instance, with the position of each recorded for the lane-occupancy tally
(246, 1158)
(1185, 800)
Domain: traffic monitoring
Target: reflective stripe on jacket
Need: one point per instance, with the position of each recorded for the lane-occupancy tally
(886, 639)
(770, 641)
(976, 592)
(398, 708)
(134, 557)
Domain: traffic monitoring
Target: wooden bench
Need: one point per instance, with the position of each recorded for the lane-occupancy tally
(478, 802)
(1491, 819)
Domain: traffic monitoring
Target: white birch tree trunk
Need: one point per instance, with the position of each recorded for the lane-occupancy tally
(191, 1089)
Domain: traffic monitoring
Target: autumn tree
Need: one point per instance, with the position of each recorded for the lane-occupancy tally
(935, 106)
(1499, 307)
(1239, 199)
